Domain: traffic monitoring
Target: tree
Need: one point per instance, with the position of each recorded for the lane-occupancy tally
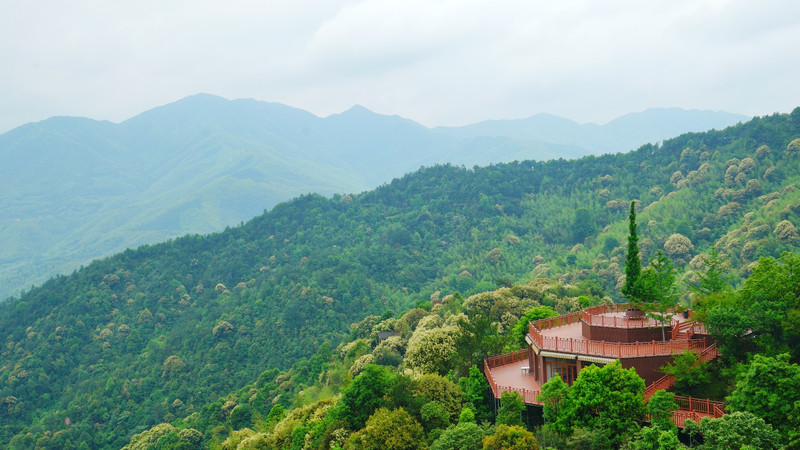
(679, 248)
(771, 298)
(607, 399)
(434, 416)
(656, 438)
(477, 338)
(689, 370)
(458, 437)
(770, 389)
(582, 225)
(660, 408)
(149, 438)
(388, 430)
(364, 395)
(633, 264)
(241, 416)
(511, 407)
(510, 438)
(658, 290)
(714, 279)
(431, 350)
(737, 430)
(728, 321)
(475, 389)
(764, 315)
(432, 387)
(520, 330)
(553, 398)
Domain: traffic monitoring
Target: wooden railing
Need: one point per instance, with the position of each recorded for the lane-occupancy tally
(688, 407)
(507, 358)
(529, 396)
(703, 406)
(709, 353)
(689, 328)
(667, 381)
(553, 322)
(613, 349)
(679, 417)
(683, 327)
(597, 316)
(663, 383)
(694, 409)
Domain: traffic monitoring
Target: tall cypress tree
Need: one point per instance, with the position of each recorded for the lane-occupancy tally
(633, 265)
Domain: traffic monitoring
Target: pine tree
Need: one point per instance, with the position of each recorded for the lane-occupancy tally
(633, 265)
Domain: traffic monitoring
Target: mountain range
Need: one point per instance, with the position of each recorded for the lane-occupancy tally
(188, 331)
(75, 189)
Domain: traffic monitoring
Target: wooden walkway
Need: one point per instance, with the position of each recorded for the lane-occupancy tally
(563, 334)
(509, 372)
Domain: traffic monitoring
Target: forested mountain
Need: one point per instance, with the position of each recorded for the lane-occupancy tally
(74, 189)
(154, 334)
(621, 134)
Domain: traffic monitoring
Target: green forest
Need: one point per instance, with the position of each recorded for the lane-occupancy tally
(269, 334)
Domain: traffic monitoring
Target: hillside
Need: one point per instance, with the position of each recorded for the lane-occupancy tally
(73, 190)
(113, 345)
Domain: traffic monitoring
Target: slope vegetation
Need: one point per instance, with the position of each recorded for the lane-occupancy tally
(105, 352)
(74, 190)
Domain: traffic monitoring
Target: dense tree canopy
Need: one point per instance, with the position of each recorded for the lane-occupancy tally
(607, 399)
(194, 328)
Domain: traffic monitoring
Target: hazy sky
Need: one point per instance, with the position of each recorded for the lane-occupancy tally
(437, 62)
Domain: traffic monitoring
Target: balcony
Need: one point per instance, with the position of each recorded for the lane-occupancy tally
(509, 373)
(565, 333)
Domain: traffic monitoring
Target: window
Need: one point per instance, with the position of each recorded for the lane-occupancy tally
(566, 368)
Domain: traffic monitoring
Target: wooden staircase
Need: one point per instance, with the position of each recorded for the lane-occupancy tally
(686, 330)
(689, 408)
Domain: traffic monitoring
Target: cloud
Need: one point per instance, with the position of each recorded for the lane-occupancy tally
(435, 61)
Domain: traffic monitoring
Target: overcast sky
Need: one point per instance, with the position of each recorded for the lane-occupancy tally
(437, 62)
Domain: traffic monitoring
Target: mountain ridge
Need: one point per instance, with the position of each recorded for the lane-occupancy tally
(116, 344)
(75, 189)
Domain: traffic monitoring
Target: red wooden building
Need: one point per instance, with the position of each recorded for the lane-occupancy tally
(564, 345)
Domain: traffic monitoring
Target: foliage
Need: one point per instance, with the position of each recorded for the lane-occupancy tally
(466, 436)
(364, 395)
(658, 291)
(432, 387)
(714, 279)
(583, 438)
(511, 408)
(386, 429)
(547, 437)
(679, 248)
(633, 263)
(737, 430)
(660, 408)
(656, 438)
(606, 399)
(434, 416)
(764, 315)
(583, 225)
(553, 398)
(475, 390)
(148, 439)
(520, 329)
(128, 341)
(430, 350)
(511, 437)
(688, 369)
(770, 389)
(241, 416)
